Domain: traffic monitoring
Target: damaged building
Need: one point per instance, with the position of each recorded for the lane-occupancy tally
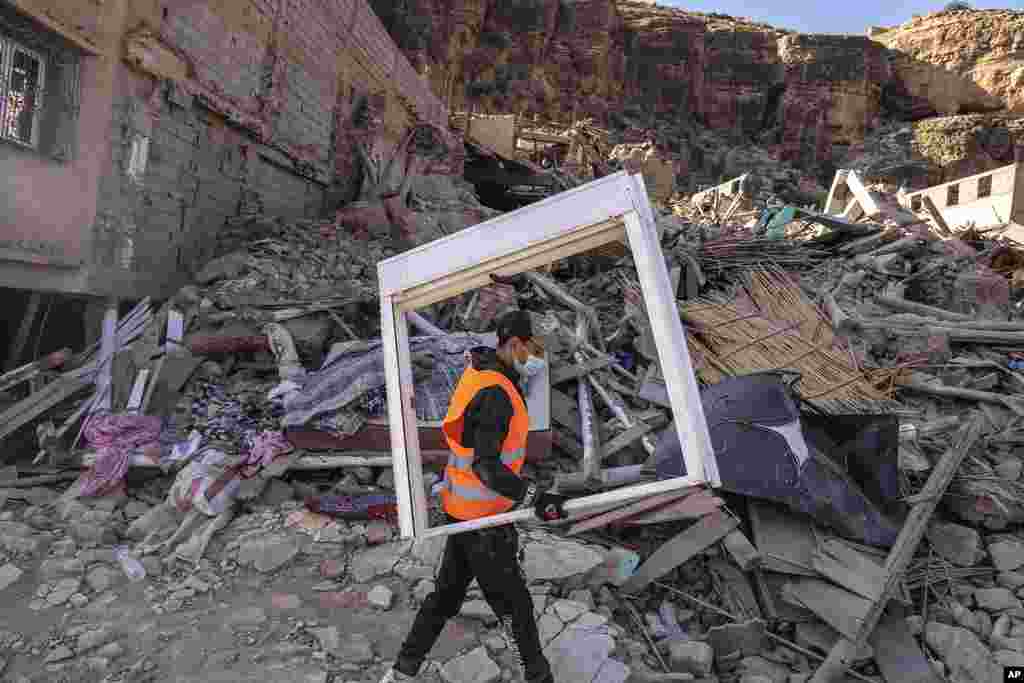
(252, 250)
(133, 131)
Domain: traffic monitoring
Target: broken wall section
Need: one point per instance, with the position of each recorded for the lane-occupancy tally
(221, 111)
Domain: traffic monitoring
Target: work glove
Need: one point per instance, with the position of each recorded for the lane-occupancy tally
(547, 506)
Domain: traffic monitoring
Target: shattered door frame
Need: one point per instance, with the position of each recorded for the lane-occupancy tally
(612, 208)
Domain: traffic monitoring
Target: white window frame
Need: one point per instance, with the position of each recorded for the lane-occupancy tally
(7, 50)
(613, 208)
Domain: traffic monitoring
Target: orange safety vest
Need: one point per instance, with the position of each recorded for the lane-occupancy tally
(463, 495)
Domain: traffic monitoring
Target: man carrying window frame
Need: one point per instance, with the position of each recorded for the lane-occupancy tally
(486, 429)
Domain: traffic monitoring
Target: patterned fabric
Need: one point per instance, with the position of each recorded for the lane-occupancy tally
(357, 377)
(115, 437)
(263, 449)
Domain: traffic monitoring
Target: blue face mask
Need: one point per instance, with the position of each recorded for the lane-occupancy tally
(531, 368)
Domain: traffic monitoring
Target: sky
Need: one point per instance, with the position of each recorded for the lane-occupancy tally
(828, 16)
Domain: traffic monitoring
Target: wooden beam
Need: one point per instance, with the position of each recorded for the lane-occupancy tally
(902, 552)
(606, 518)
(695, 539)
(564, 373)
(591, 433)
(28, 321)
(694, 506)
(31, 370)
(936, 216)
(25, 411)
(623, 440)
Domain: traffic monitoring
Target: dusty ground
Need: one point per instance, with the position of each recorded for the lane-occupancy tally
(268, 602)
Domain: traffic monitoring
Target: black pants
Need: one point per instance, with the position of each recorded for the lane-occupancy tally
(492, 557)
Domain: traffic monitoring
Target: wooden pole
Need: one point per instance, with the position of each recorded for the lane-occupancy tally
(845, 650)
(108, 347)
(17, 348)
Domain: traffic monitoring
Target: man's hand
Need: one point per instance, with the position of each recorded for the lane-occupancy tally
(546, 505)
(550, 506)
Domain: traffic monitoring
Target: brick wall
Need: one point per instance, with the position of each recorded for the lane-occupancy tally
(258, 125)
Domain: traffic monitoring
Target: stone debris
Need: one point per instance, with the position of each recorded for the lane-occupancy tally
(381, 596)
(473, 667)
(9, 574)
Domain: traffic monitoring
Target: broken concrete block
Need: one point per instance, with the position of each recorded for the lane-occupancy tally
(966, 658)
(996, 599)
(9, 574)
(1007, 552)
(268, 554)
(381, 596)
(691, 656)
(957, 543)
(552, 559)
(473, 667)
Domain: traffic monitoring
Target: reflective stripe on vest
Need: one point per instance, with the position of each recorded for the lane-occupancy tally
(466, 462)
(463, 495)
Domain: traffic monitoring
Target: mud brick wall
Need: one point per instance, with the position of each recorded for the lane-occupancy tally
(258, 126)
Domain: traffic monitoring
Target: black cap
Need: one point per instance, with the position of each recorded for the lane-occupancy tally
(516, 324)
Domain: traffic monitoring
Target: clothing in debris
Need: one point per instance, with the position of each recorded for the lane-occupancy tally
(353, 376)
(115, 437)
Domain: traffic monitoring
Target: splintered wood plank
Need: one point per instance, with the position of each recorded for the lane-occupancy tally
(626, 511)
(851, 569)
(769, 585)
(897, 652)
(628, 437)
(735, 589)
(696, 538)
(38, 403)
(839, 608)
(694, 506)
(564, 373)
(785, 540)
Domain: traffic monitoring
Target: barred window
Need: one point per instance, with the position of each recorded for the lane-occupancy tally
(22, 80)
(984, 186)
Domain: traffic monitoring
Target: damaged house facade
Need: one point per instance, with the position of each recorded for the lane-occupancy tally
(991, 198)
(133, 130)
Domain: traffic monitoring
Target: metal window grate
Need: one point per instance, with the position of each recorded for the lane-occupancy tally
(984, 186)
(952, 195)
(22, 81)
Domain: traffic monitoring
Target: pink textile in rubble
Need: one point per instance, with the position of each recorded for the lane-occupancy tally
(264, 448)
(114, 437)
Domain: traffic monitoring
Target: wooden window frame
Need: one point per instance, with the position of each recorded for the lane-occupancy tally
(613, 208)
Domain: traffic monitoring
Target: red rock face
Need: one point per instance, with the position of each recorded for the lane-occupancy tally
(593, 57)
(812, 95)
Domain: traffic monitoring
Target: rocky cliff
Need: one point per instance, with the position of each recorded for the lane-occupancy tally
(961, 62)
(811, 99)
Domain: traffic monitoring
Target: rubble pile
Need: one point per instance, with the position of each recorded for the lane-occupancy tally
(860, 377)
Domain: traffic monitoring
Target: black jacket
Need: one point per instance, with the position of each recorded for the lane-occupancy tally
(487, 419)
